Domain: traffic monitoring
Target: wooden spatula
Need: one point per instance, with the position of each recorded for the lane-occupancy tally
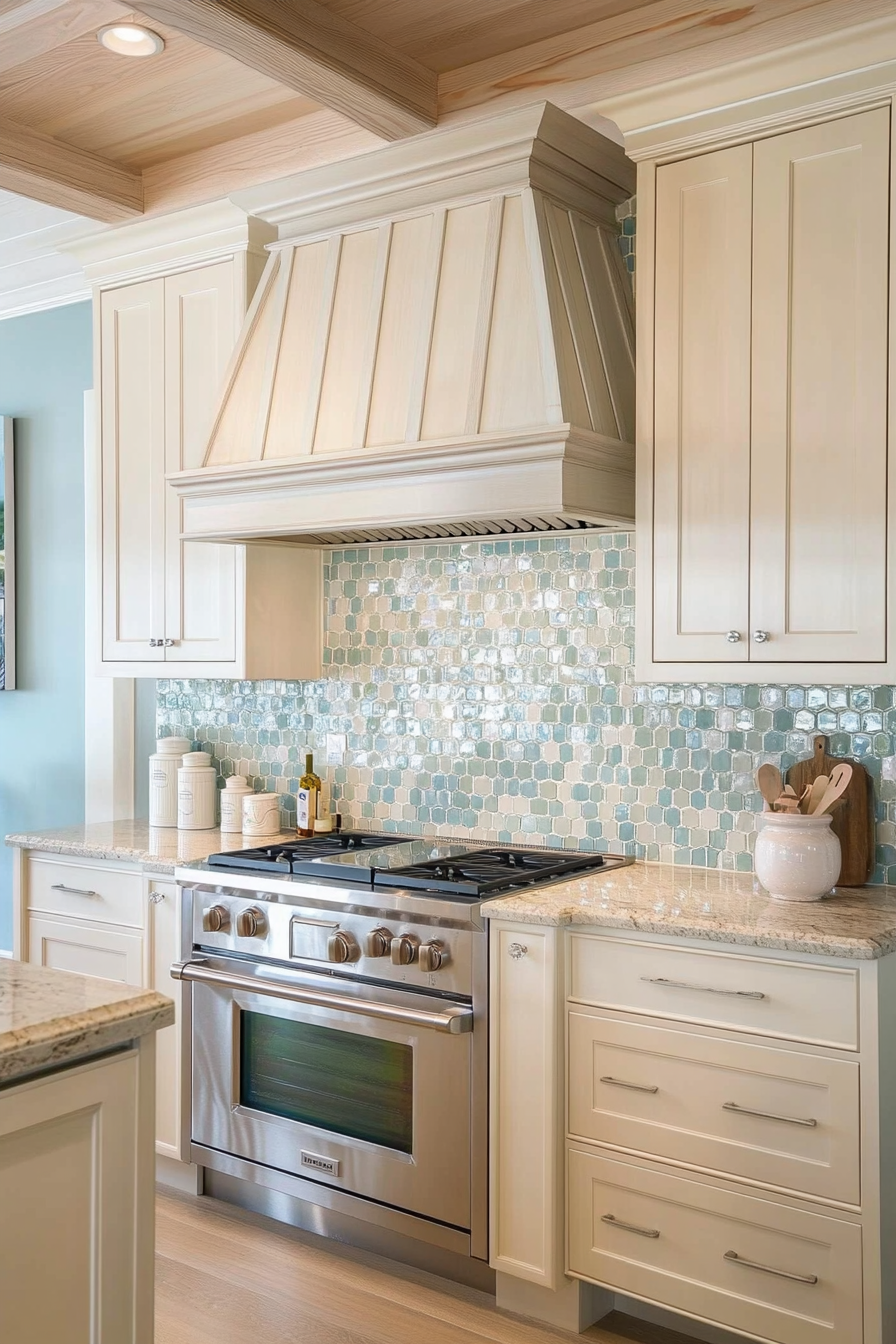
(840, 777)
(817, 790)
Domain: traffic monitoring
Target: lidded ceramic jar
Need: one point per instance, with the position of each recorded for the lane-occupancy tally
(197, 793)
(163, 767)
(261, 814)
(232, 795)
(797, 857)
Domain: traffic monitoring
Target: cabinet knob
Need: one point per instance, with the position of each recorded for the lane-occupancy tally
(760, 636)
(167, 643)
(733, 636)
(155, 643)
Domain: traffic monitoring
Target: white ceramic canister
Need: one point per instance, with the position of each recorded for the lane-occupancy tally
(797, 857)
(197, 793)
(163, 767)
(232, 795)
(261, 814)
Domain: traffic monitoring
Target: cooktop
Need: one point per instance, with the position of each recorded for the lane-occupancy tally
(447, 868)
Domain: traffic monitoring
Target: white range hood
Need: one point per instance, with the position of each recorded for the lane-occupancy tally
(441, 345)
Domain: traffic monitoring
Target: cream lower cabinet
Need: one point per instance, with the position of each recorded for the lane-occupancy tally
(76, 1236)
(763, 364)
(169, 607)
(114, 922)
(704, 1129)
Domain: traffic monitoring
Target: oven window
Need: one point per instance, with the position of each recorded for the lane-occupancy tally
(359, 1086)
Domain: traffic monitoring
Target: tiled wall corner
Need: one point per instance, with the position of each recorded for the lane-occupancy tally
(627, 217)
(489, 687)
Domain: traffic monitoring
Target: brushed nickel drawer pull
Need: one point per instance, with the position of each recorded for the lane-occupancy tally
(75, 891)
(703, 989)
(767, 1269)
(629, 1227)
(635, 1087)
(768, 1115)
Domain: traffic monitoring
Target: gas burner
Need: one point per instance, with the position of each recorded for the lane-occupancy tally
(292, 856)
(488, 872)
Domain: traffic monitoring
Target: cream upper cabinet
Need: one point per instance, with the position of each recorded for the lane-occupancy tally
(702, 445)
(764, 502)
(209, 610)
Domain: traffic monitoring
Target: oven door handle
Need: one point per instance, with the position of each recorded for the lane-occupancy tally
(453, 1019)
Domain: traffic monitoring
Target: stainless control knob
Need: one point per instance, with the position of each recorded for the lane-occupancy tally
(404, 949)
(379, 941)
(431, 956)
(216, 919)
(340, 947)
(251, 923)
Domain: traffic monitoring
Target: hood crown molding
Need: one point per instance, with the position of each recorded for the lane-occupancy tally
(462, 294)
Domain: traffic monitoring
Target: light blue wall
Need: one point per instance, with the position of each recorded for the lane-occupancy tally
(45, 368)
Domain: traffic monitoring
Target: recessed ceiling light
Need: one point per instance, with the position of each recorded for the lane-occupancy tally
(129, 39)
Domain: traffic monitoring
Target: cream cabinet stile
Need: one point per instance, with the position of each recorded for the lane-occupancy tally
(764, 514)
(201, 580)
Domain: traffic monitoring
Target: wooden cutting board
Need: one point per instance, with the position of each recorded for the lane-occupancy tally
(853, 820)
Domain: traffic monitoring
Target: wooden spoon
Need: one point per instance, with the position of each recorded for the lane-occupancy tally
(840, 777)
(771, 786)
(817, 790)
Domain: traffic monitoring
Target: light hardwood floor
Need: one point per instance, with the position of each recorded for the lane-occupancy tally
(228, 1277)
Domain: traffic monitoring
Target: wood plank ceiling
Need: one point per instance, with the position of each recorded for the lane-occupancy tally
(251, 90)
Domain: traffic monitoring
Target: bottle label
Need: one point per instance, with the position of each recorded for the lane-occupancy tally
(306, 808)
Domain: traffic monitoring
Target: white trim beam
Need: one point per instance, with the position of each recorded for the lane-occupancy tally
(308, 48)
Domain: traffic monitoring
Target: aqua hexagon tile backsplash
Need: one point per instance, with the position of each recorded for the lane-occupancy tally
(489, 687)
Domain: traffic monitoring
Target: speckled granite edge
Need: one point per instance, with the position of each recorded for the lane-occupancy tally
(156, 851)
(61, 1041)
(859, 923)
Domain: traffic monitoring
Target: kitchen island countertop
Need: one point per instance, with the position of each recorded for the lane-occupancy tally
(156, 849)
(52, 1019)
(711, 904)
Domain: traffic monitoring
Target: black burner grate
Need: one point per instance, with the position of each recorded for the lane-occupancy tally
(288, 856)
(486, 872)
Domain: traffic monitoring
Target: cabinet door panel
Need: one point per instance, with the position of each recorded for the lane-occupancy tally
(133, 433)
(702, 430)
(819, 442)
(201, 579)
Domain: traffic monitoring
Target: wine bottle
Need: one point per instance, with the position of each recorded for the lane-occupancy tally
(307, 798)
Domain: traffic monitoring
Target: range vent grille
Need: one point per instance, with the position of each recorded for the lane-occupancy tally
(474, 531)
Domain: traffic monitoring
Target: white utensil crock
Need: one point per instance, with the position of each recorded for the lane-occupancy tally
(797, 857)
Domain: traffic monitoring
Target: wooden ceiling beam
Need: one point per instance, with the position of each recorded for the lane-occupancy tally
(47, 170)
(33, 28)
(308, 48)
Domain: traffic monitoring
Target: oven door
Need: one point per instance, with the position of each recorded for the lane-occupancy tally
(360, 1087)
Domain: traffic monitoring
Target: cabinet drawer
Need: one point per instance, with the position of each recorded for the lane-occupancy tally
(87, 949)
(685, 1244)
(818, 1004)
(769, 1115)
(95, 892)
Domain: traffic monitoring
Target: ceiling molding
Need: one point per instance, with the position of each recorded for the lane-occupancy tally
(47, 170)
(311, 49)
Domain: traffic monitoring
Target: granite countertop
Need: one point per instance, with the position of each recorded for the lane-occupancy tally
(157, 849)
(722, 907)
(51, 1019)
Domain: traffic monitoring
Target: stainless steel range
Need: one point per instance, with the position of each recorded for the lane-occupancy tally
(336, 1034)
